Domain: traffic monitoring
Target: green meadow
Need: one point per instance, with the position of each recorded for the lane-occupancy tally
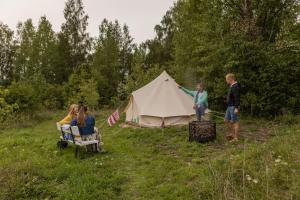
(139, 163)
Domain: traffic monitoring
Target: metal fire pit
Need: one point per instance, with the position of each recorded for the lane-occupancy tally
(202, 131)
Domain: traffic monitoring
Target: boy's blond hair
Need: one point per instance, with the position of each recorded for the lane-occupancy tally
(231, 76)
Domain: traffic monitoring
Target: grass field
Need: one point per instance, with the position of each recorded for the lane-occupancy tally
(152, 164)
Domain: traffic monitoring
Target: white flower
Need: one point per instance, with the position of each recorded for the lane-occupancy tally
(285, 163)
(248, 177)
(255, 181)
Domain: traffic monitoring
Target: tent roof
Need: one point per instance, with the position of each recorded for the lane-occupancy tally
(162, 98)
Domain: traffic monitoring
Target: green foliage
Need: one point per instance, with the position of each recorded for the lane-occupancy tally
(35, 93)
(25, 56)
(83, 88)
(6, 109)
(112, 59)
(258, 43)
(74, 34)
(45, 47)
(24, 95)
(196, 40)
(88, 90)
(6, 54)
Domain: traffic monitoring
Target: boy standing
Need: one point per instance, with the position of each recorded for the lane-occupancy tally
(233, 105)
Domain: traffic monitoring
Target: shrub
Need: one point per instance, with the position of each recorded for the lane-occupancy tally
(6, 109)
(54, 97)
(82, 87)
(24, 95)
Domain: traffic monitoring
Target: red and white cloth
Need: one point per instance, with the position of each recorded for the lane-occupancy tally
(113, 118)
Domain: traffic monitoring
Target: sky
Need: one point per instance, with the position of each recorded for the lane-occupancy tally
(140, 15)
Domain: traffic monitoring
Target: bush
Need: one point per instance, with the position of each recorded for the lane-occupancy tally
(24, 95)
(54, 97)
(83, 88)
(6, 109)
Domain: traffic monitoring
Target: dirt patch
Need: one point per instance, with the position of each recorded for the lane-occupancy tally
(126, 125)
(259, 132)
(261, 135)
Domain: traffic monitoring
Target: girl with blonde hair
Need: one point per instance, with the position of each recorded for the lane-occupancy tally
(70, 116)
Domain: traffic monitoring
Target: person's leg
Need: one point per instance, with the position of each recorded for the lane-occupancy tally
(232, 122)
(202, 108)
(228, 118)
(230, 132)
(235, 125)
(236, 128)
(198, 114)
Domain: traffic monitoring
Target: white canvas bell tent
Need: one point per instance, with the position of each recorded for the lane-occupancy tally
(160, 103)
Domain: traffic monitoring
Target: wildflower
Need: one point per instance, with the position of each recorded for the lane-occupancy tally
(285, 163)
(255, 181)
(34, 179)
(248, 177)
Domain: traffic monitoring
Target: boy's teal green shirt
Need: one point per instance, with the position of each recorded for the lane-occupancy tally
(202, 99)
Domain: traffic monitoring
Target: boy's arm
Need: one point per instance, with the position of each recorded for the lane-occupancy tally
(236, 96)
(189, 92)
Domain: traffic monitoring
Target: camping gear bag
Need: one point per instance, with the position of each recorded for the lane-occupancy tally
(202, 131)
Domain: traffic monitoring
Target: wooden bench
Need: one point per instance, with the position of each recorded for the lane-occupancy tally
(76, 138)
